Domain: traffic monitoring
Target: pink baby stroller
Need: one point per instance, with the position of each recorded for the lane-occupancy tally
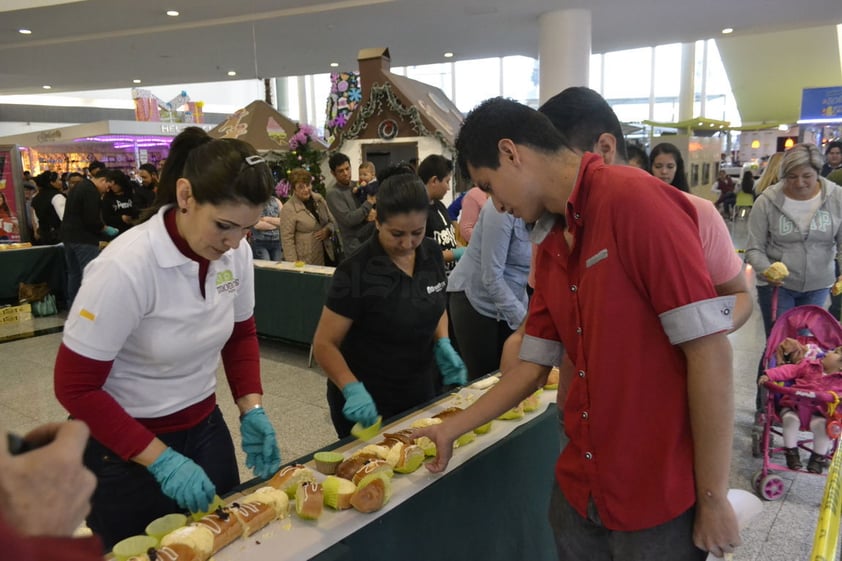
(807, 324)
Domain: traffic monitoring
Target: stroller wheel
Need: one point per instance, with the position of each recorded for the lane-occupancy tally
(771, 487)
(756, 479)
(755, 444)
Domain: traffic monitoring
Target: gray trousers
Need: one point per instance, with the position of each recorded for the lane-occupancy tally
(586, 539)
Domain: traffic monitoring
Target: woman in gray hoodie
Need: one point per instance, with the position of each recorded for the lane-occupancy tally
(796, 221)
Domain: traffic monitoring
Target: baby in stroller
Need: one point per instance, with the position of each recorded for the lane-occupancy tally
(810, 372)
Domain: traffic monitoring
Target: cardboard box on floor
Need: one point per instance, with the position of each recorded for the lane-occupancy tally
(15, 314)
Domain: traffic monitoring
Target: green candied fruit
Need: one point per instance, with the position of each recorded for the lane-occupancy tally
(466, 438)
(483, 429)
(512, 414)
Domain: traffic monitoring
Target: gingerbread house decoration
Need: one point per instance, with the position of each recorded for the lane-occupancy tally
(262, 126)
(398, 118)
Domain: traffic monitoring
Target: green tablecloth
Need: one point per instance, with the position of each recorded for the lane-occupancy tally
(32, 265)
(288, 304)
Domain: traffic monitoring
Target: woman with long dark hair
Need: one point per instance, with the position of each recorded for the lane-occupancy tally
(383, 329)
(668, 165)
(143, 339)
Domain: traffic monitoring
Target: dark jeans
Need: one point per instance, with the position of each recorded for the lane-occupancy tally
(267, 249)
(787, 299)
(77, 256)
(127, 497)
(480, 338)
(586, 539)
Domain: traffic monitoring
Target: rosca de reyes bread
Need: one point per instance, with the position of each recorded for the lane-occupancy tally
(224, 526)
(252, 516)
(289, 478)
(198, 538)
(175, 552)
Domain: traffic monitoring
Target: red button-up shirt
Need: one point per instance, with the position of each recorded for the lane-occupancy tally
(631, 286)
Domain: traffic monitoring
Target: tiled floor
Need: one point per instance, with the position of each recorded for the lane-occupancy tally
(296, 404)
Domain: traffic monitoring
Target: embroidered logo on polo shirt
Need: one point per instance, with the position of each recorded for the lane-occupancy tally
(436, 287)
(86, 314)
(225, 282)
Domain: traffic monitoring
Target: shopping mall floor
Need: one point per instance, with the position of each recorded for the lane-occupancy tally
(295, 400)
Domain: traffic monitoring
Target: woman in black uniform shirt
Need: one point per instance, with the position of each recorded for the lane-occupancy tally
(384, 321)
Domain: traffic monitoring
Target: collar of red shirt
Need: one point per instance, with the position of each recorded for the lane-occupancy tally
(547, 222)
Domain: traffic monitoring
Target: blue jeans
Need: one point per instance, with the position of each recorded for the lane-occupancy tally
(127, 497)
(77, 256)
(580, 539)
(269, 250)
(787, 299)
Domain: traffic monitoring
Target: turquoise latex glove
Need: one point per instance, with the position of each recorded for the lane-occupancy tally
(110, 231)
(260, 443)
(458, 252)
(453, 370)
(359, 406)
(183, 481)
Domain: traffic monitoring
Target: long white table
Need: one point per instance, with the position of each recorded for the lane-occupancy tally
(490, 504)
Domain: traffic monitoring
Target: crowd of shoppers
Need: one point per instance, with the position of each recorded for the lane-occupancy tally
(415, 308)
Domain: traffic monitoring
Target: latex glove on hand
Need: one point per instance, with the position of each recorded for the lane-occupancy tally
(260, 443)
(183, 481)
(453, 370)
(458, 252)
(110, 231)
(359, 406)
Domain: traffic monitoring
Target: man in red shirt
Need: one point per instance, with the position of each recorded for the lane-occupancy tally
(621, 287)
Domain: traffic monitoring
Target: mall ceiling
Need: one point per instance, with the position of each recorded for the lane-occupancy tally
(96, 44)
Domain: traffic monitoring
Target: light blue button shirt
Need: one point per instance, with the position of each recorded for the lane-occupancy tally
(494, 269)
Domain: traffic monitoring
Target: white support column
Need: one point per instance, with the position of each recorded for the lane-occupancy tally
(564, 51)
(704, 88)
(302, 99)
(687, 92)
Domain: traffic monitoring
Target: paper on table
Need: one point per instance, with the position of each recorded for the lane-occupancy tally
(290, 266)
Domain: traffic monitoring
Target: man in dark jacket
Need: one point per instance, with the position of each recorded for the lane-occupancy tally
(82, 228)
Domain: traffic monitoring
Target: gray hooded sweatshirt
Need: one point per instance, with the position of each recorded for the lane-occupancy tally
(775, 236)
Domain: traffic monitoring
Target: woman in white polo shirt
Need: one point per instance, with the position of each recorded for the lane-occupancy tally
(142, 343)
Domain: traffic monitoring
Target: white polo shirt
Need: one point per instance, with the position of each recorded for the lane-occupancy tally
(140, 306)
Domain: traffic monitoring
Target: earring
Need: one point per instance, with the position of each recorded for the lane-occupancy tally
(183, 211)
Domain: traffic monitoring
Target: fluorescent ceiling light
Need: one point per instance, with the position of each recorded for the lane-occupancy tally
(727, 30)
(232, 73)
(25, 31)
(173, 13)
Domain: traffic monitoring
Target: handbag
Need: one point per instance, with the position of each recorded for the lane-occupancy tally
(45, 307)
(333, 250)
(32, 292)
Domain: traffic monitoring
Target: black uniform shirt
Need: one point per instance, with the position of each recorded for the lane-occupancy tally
(440, 229)
(389, 346)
